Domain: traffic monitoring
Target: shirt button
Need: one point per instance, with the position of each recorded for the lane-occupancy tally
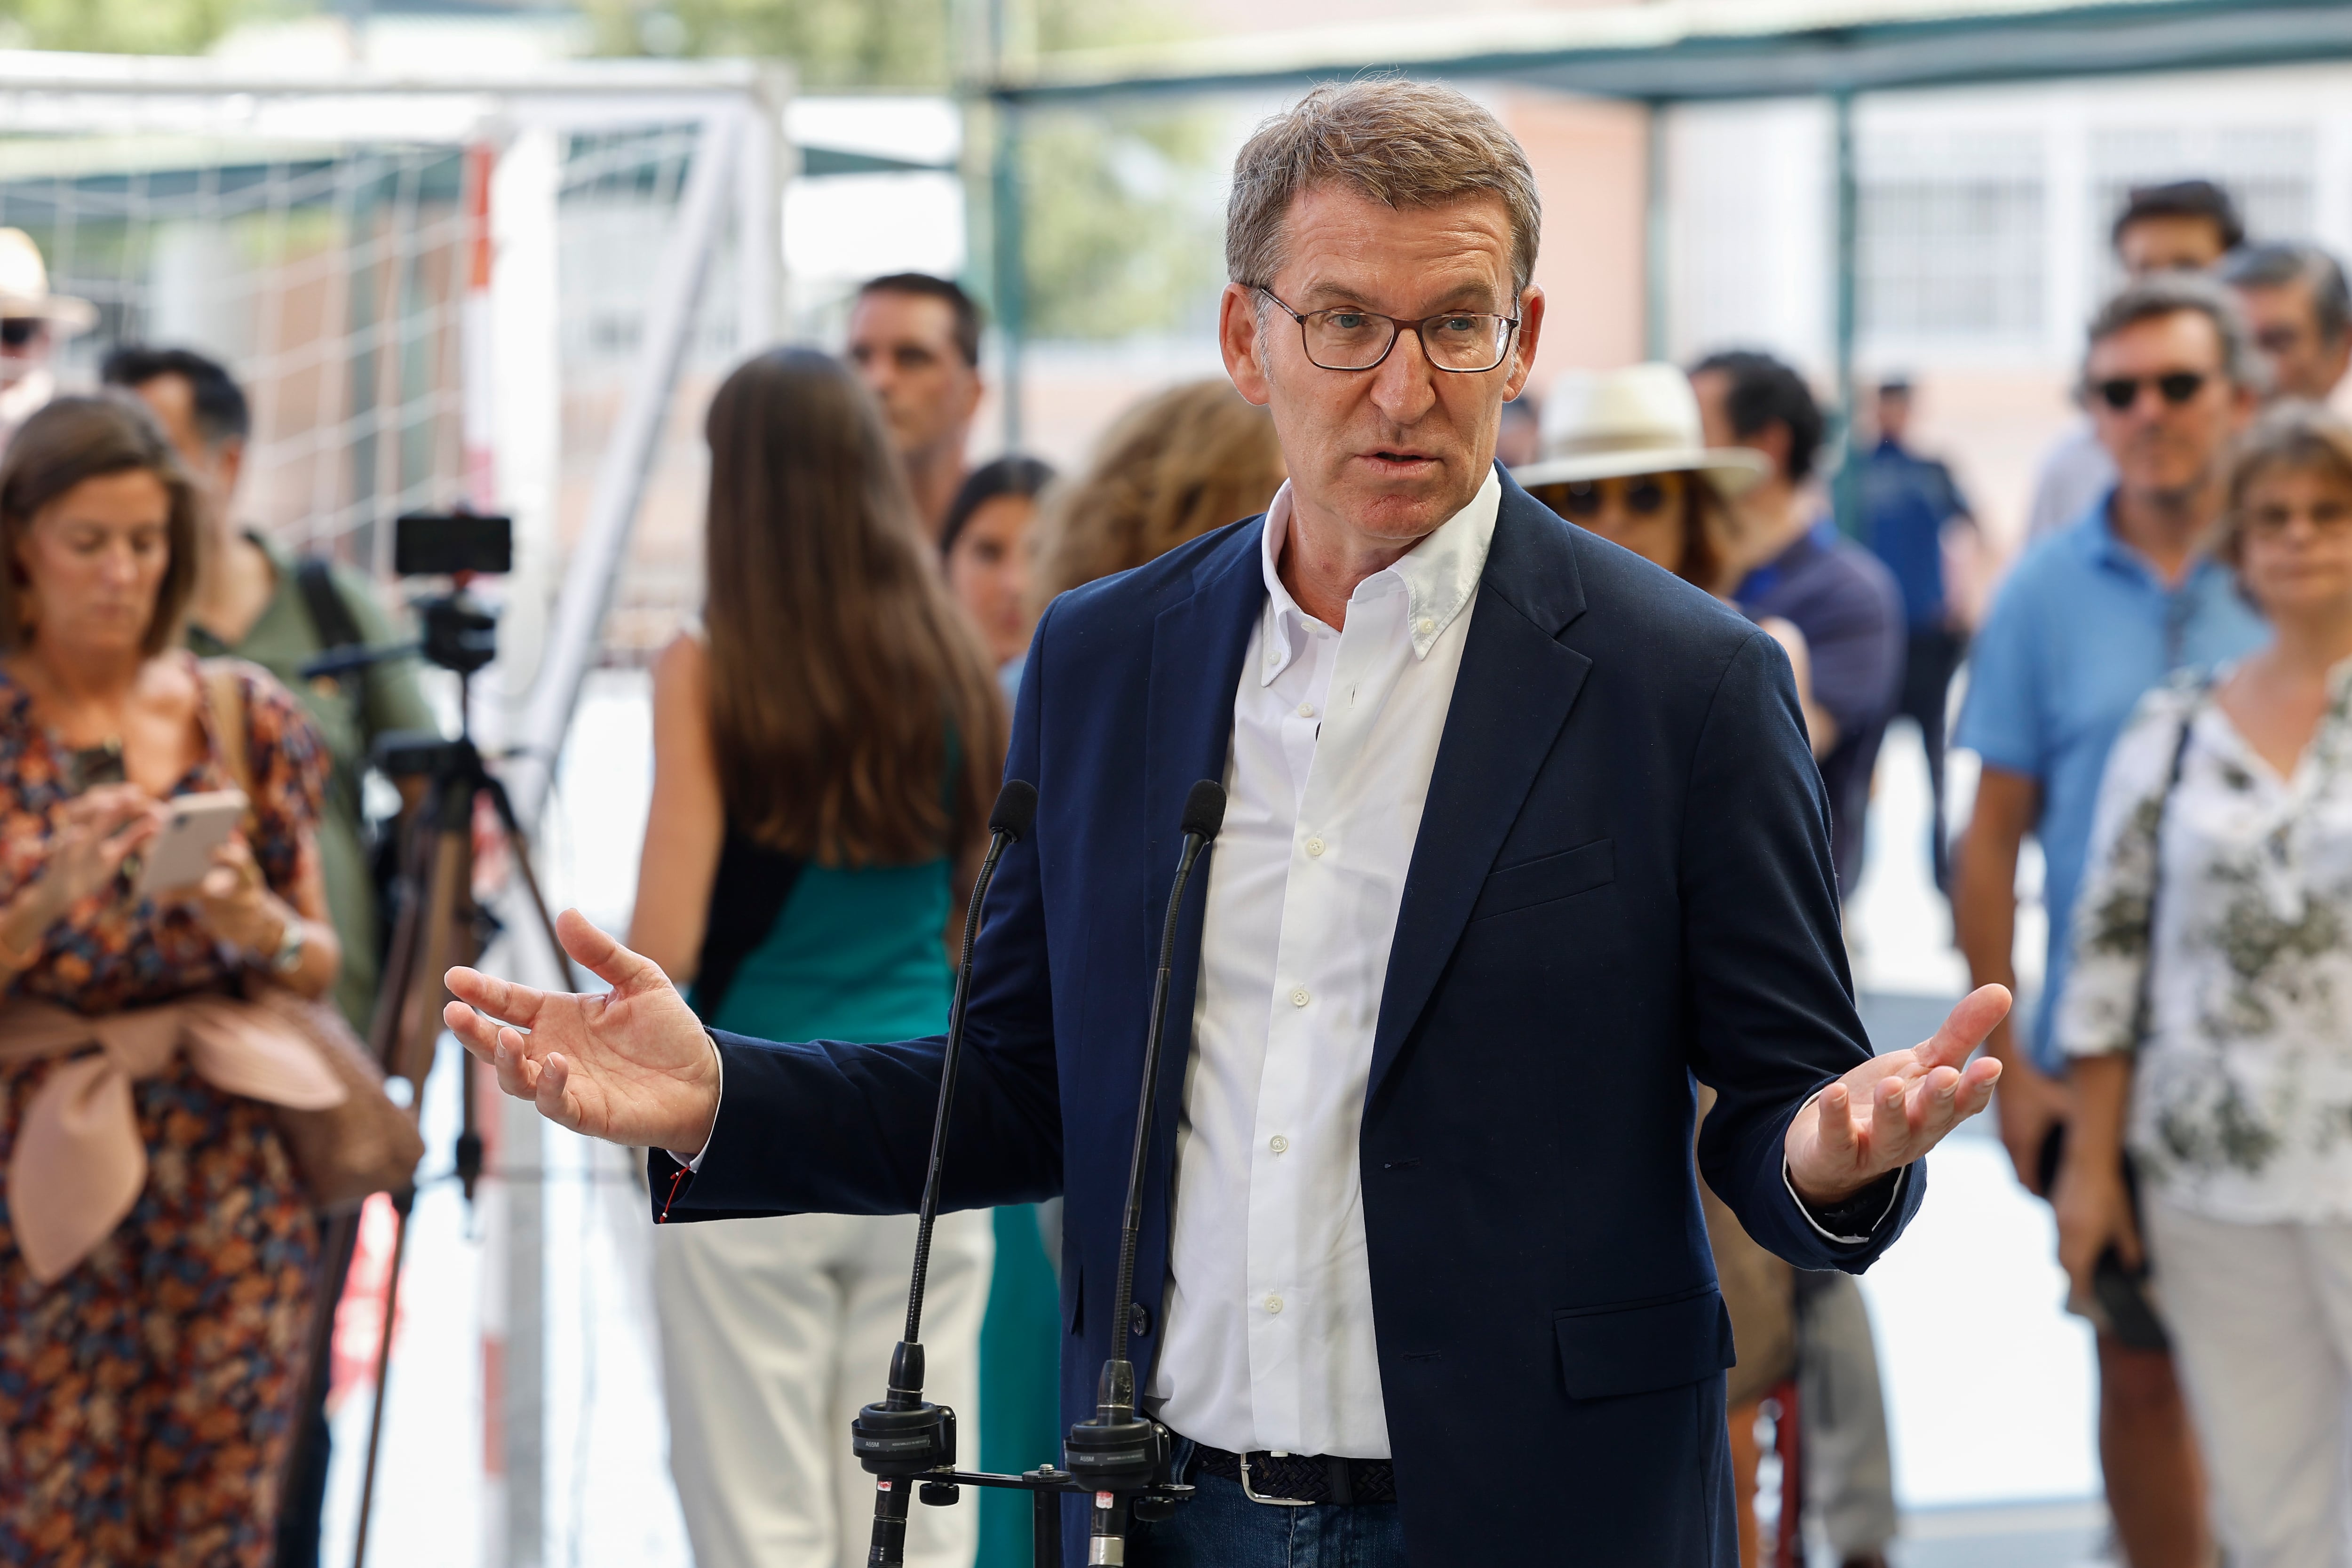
(1273, 1303)
(1278, 1143)
(1424, 626)
(1315, 847)
(1306, 711)
(1298, 998)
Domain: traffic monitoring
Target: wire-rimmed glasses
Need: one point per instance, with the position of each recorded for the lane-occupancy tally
(1464, 343)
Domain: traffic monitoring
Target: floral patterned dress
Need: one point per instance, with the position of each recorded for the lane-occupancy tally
(2241, 1089)
(147, 1398)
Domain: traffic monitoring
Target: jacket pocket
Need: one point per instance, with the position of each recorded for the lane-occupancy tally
(1547, 879)
(1634, 1347)
(1073, 1307)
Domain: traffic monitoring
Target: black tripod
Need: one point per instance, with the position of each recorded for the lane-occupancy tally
(437, 924)
(1120, 1457)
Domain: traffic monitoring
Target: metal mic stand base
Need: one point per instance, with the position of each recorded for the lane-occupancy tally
(1045, 1484)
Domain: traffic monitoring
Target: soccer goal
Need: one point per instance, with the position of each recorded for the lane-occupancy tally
(455, 289)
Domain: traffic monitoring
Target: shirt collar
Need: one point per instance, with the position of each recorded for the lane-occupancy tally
(2105, 548)
(1438, 576)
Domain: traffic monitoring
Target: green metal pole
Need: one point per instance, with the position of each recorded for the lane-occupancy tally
(1654, 345)
(1011, 270)
(1847, 496)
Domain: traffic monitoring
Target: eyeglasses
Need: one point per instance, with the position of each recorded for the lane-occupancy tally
(1463, 342)
(2328, 519)
(17, 332)
(2176, 388)
(1582, 499)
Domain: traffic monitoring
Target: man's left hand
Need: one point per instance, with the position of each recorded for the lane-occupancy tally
(1893, 1108)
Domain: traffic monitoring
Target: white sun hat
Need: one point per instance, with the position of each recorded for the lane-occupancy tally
(1642, 419)
(25, 287)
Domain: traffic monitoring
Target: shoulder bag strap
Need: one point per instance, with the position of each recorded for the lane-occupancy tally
(225, 694)
(2143, 1008)
(331, 617)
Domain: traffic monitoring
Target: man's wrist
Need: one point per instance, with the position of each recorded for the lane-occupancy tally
(701, 1145)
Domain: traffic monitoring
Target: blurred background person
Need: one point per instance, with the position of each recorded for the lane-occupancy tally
(987, 549)
(990, 555)
(148, 1384)
(1175, 466)
(1519, 439)
(2298, 313)
(2086, 622)
(2183, 226)
(1911, 509)
(2209, 1019)
(33, 321)
(914, 340)
(254, 600)
(826, 745)
(1801, 570)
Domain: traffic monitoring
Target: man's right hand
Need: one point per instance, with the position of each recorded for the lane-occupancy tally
(632, 1065)
(2030, 1102)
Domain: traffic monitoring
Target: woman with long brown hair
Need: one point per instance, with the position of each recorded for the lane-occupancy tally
(157, 1247)
(1180, 463)
(825, 747)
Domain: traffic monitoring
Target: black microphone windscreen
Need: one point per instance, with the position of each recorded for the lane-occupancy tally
(1205, 809)
(1016, 809)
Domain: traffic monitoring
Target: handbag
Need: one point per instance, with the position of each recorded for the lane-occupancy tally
(366, 1144)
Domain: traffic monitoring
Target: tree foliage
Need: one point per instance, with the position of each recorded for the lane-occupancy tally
(124, 27)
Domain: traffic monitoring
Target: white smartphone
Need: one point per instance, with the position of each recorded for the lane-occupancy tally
(194, 826)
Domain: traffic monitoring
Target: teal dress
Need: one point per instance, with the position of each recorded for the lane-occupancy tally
(800, 952)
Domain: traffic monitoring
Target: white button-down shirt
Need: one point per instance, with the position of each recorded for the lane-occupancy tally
(1269, 1337)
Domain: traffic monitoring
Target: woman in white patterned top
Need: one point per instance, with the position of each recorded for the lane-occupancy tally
(2209, 1018)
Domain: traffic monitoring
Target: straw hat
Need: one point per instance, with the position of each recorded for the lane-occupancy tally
(25, 287)
(1642, 419)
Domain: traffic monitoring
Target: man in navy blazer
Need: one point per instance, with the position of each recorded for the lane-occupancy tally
(1525, 837)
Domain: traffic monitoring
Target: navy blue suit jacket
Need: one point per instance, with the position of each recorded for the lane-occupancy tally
(1622, 883)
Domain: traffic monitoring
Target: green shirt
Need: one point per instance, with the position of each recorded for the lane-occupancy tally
(350, 710)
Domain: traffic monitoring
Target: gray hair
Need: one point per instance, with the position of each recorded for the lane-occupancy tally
(1402, 143)
(2275, 265)
(2161, 294)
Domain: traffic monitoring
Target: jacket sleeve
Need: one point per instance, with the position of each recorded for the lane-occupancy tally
(1773, 1019)
(829, 1128)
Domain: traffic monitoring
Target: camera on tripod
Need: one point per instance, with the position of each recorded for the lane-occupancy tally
(459, 632)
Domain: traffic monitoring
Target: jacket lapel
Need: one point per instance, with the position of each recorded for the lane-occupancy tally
(1515, 687)
(1197, 648)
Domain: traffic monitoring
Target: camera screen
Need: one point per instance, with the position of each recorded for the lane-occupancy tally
(442, 543)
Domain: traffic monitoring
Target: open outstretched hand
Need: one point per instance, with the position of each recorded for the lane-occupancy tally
(632, 1066)
(1893, 1108)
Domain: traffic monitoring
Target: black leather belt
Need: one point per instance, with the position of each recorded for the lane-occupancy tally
(1300, 1479)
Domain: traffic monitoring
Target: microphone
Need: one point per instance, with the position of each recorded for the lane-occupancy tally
(903, 1435)
(1118, 1453)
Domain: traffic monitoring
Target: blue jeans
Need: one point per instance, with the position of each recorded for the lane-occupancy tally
(1220, 1527)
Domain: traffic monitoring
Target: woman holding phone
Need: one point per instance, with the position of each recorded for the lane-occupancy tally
(826, 745)
(153, 1298)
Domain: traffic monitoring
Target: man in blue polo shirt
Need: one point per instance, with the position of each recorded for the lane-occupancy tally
(2090, 619)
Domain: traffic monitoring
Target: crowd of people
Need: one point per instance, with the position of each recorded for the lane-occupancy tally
(2159, 697)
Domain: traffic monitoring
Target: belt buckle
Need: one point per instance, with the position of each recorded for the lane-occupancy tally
(1251, 1493)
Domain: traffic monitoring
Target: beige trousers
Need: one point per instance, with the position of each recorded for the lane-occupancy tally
(774, 1331)
(2262, 1326)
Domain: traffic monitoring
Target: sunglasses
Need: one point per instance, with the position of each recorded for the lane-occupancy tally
(1585, 498)
(2176, 388)
(17, 332)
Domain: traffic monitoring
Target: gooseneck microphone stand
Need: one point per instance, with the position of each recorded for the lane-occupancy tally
(1118, 1459)
(1121, 1455)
